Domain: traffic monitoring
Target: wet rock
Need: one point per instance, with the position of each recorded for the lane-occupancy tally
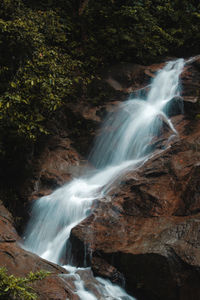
(158, 256)
(149, 232)
(103, 269)
(20, 262)
(191, 87)
(132, 78)
(90, 283)
(76, 125)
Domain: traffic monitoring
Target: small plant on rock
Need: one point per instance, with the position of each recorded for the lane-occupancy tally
(12, 287)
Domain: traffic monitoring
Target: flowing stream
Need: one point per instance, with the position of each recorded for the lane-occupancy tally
(124, 144)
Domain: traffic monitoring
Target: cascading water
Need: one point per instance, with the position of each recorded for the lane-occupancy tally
(123, 145)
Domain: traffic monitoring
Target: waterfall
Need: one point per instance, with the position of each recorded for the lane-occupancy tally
(122, 145)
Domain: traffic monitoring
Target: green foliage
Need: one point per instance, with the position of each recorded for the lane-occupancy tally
(142, 30)
(12, 287)
(37, 74)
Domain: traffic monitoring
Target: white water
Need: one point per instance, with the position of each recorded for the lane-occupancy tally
(130, 130)
(123, 145)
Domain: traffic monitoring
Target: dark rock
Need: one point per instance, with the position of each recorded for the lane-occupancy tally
(149, 232)
(103, 269)
(131, 78)
(155, 255)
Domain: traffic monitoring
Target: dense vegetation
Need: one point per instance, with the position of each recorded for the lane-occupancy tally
(51, 52)
(12, 287)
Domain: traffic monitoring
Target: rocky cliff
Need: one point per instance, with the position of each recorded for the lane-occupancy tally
(146, 232)
(148, 228)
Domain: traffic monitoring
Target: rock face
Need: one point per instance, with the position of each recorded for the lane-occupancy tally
(20, 262)
(146, 232)
(148, 229)
(59, 284)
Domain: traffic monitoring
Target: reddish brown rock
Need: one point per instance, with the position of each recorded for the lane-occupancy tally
(20, 262)
(58, 163)
(149, 231)
(159, 256)
(59, 284)
(103, 269)
(148, 228)
(129, 78)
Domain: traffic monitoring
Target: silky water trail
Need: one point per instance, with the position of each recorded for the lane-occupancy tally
(123, 145)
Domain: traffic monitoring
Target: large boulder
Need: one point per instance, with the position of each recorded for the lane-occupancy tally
(148, 228)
